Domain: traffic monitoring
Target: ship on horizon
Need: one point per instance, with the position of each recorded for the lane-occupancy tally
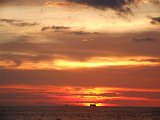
(93, 104)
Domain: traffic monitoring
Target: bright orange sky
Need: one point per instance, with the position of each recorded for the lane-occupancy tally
(75, 52)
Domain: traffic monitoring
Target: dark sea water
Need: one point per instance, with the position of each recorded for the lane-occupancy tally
(79, 113)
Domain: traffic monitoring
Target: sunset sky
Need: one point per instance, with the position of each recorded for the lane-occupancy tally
(78, 52)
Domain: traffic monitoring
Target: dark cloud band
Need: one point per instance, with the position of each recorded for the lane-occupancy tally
(18, 23)
(155, 20)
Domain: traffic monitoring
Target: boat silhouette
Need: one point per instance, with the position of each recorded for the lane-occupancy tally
(92, 104)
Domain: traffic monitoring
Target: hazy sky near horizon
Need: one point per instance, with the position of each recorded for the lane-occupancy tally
(77, 52)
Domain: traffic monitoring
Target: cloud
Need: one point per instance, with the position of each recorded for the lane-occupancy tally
(16, 59)
(13, 93)
(10, 21)
(61, 4)
(67, 30)
(156, 60)
(36, 95)
(81, 32)
(19, 23)
(133, 102)
(157, 2)
(144, 39)
(56, 28)
(73, 46)
(22, 2)
(121, 6)
(25, 24)
(142, 77)
(123, 94)
(155, 20)
(23, 96)
(117, 5)
(140, 94)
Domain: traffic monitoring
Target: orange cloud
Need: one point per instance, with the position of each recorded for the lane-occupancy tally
(62, 4)
(93, 62)
(105, 62)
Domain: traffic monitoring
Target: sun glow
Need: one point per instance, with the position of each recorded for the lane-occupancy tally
(104, 62)
(97, 104)
(93, 62)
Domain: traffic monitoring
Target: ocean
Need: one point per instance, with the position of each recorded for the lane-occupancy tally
(79, 113)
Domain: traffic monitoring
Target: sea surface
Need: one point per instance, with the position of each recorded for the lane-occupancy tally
(79, 113)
